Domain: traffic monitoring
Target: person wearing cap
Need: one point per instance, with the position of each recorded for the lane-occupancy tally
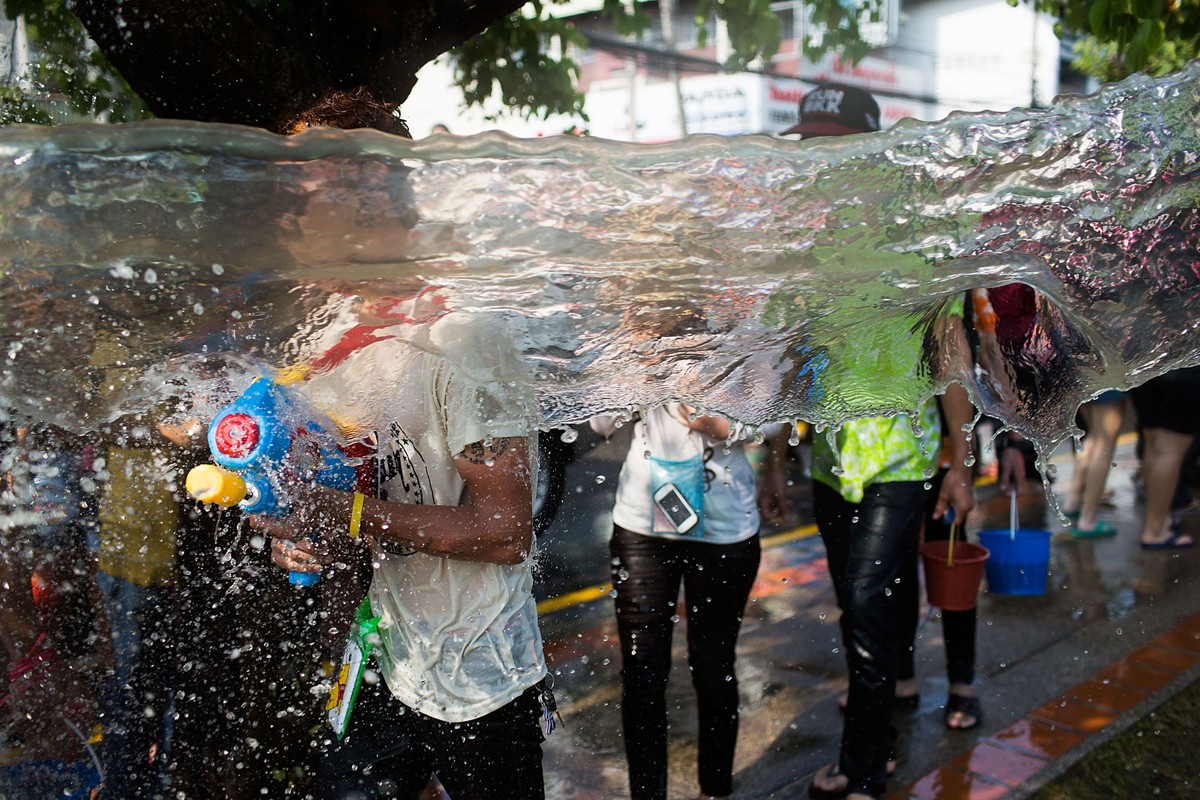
(835, 110)
(869, 499)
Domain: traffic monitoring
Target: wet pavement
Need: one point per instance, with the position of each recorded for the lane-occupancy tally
(1116, 633)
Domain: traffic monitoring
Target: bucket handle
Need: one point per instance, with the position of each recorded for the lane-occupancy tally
(1012, 515)
(950, 540)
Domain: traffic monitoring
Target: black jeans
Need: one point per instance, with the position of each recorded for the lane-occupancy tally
(958, 627)
(391, 750)
(870, 546)
(717, 578)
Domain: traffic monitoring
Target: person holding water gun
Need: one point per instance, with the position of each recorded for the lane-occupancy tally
(447, 537)
(445, 534)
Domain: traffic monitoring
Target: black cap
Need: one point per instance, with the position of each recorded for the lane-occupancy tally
(832, 109)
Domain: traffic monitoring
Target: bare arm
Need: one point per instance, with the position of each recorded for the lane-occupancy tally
(958, 491)
(186, 434)
(712, 427)
(493, 524)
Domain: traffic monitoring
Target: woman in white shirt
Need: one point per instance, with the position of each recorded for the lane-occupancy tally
(685, 514)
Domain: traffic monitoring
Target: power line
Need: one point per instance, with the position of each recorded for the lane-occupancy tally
(653, 57)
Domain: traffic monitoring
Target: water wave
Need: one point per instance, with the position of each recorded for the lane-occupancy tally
(751, 276)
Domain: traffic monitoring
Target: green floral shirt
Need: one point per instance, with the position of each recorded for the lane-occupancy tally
(880, 366)
(878, 450)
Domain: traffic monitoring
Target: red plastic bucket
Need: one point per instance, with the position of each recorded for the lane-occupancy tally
(952, 583)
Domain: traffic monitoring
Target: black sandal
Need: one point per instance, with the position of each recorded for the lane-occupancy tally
(817, 793)
(968, 706)
(834, 770)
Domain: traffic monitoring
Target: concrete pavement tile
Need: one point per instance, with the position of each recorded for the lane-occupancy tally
(1163, 659)
(1110, 696)
(999, 764)
(1123, 673)
(1039, 738)
(1074, 714)
(952, 784)
(1190, 625)
(1178, 639)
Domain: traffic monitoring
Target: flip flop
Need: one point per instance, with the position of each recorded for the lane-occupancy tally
(1171, 542)
(817, 793)
(1103, 528)
(834, 771)
(967, 706)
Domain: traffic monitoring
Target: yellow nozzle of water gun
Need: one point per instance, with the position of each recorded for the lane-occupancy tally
(209, 483)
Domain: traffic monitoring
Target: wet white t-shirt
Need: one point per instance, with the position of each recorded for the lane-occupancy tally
(460, 638)
(730, 506)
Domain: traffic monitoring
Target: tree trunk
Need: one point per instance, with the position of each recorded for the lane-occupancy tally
(224, 61)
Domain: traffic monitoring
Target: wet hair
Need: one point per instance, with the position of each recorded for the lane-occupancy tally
(350, 108)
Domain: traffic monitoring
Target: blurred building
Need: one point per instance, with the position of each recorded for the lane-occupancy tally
(929, 58)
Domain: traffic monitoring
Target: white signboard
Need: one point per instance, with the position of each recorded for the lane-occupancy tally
(720, 104)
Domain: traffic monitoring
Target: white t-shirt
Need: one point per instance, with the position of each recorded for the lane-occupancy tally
(730, 506)
(460, 638)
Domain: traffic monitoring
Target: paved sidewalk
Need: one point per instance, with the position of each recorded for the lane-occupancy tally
(1117, 632)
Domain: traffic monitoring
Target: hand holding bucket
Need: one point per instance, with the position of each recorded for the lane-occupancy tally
(953, 571)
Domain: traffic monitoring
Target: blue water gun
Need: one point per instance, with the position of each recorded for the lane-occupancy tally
(261, 442)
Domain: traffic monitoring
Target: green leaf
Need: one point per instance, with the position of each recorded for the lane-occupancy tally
(1098, 18)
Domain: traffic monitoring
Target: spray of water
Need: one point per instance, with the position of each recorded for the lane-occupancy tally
(760, 278)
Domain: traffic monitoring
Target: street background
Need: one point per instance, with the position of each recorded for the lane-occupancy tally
(1117, 632)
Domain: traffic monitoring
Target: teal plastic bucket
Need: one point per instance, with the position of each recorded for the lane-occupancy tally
(1019, 563)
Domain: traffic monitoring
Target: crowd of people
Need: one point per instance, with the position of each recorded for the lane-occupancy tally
(170, 627)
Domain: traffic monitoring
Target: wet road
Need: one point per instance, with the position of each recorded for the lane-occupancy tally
(1105, 599)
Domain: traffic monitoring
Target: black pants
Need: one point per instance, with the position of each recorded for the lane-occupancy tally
(390, 751)
(870, 546)
(717, 578)
(958, 627)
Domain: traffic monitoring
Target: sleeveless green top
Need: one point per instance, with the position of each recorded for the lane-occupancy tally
(879, 366)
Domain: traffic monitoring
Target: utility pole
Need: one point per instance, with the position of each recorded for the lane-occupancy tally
(1033, 61)
(666, 15)
(631, 65)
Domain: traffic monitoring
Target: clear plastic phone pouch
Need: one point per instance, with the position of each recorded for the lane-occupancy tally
(344, 692)
(677, 496)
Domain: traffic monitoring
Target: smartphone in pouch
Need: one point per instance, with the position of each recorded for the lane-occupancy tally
(675, 506)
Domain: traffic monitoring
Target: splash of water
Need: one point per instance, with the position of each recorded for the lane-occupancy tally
(760, 278)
